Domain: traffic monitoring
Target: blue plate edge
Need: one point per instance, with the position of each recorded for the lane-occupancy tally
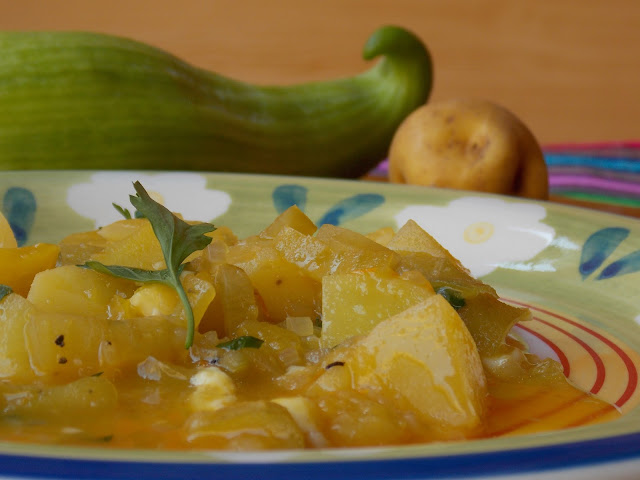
(539, 459)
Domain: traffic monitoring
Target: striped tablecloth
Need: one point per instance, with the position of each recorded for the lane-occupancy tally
(596, 175)
(603, 176)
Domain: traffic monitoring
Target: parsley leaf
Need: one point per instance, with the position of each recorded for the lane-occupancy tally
(177, 239)
(122, 211)
(237, 343)
(4, 291)
(131, 273)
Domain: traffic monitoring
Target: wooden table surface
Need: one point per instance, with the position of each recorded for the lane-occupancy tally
(569, 68)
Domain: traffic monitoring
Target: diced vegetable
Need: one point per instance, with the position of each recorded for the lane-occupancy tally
(356, 420)
(82, 398)
(353, 251)
(424, 359)
(7, 238)
(382, 236)
(15, 312)
(489, 320)
(354, 303)
(420, 251)
(56, 290)
(18, 266)
(292, 217)
(131, 243)
(284, 288)
(256, 425)
(63, 347)
(333, 250)
(126, 343)
(77, 248)
(234, 302)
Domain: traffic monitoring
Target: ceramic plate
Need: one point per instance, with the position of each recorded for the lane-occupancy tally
(579, 271)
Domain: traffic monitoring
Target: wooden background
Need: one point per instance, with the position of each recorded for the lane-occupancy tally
(569, 68)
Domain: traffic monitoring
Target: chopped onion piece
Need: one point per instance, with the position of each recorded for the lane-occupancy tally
(302, 326)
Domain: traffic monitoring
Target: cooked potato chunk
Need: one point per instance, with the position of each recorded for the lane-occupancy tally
(126, 343)
(292, 217)
(382, 236)
(63, 347)
(257, 425)
(131, 243)
(18, 266)
(77, 248)
(354, 251)
(84, 409)
(356, 420)
(15, 311)
(234, 302)
(332, 250)
(56, 290)
(285, 290)
(420, 251)
(7, 238)
(353, 303)
(425, 359)
(305, 413)
(93, 395)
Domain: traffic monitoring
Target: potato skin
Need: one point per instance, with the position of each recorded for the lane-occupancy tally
(468, 144)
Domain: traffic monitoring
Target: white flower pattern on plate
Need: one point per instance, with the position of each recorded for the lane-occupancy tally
(94, 199)
(486, 233)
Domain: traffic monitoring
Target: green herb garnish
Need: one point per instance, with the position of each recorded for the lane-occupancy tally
(246, 341)
(4, 291)
(177, 240)
(453, 296)
(126, 213)
(122, 211)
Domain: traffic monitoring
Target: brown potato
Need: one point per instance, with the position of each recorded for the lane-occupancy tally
(468, 144)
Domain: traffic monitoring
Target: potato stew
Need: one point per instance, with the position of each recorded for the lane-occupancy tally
(296, 337)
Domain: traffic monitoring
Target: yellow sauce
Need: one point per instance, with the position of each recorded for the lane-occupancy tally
(153, 414)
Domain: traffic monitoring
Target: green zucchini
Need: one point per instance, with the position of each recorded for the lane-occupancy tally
(80, 100)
